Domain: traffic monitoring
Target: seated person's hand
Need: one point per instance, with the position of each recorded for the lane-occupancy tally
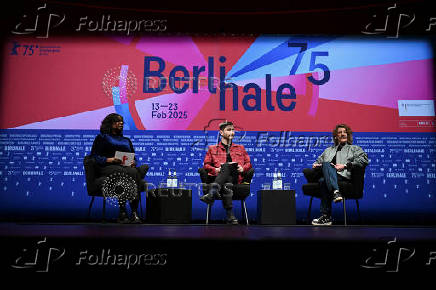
(113, 160)
(315, 165)
(339, 167)
(218, 170)
(240, 169)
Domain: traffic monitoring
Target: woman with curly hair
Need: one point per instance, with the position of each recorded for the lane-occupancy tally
(103, 150)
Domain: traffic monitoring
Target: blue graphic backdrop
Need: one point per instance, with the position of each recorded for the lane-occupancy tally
(41, 171)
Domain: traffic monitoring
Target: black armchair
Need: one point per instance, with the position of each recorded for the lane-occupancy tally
(240, 191)
(352, 189)
(94, 182)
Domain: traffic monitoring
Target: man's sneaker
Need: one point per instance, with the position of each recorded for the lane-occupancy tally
(207, 198)
(337, 197)
(232, 221)
(324, 220)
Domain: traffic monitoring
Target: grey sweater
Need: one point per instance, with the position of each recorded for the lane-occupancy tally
(348, 154)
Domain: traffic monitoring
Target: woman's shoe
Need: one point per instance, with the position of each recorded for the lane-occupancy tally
(135, 218)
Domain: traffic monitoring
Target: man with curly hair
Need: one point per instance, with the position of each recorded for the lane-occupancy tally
(335, 164)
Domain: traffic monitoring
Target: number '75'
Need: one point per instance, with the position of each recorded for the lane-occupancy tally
(313, 64)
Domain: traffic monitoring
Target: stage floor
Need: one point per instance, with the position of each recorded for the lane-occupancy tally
(62, 247)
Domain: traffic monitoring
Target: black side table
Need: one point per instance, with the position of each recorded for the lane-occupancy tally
(169, 205)
(276, 207)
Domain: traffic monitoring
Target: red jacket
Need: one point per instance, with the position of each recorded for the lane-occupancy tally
(216, 155)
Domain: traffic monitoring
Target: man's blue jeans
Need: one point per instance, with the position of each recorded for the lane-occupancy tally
(328, 184)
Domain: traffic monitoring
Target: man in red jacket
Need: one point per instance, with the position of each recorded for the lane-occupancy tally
(226, 161)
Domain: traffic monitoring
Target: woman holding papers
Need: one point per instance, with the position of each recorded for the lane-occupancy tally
(113, 153)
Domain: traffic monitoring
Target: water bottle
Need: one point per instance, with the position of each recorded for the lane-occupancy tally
(169, 179)
(274, 180)
(279, 181)
(175, 179)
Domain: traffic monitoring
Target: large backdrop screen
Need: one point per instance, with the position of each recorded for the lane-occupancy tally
(285, 94)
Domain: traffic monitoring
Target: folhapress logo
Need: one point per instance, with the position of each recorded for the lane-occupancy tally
(41, 20)
(395, 20)
(389, 258)
(40, 24)
(394, 256)
(40, 257)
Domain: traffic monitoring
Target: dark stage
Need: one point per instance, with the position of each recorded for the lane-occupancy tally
(193, 248)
